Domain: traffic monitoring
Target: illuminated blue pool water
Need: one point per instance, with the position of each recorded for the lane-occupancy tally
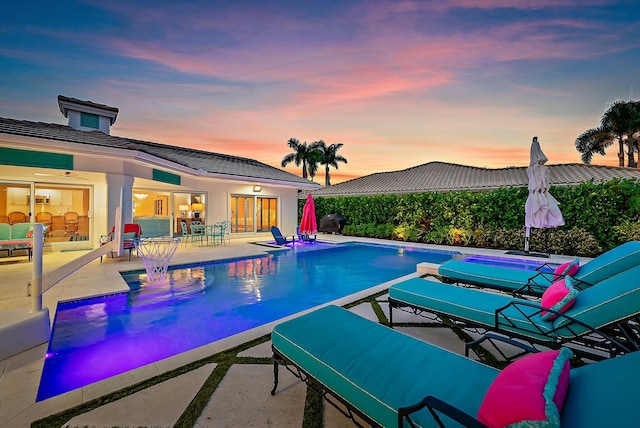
(93, 339)
(512, 263)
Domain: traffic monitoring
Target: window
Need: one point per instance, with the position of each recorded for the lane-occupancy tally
(242, 213)
(267, 214)
(90, 120)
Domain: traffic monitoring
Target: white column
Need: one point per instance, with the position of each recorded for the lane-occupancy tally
(36, 277)
(116, 182)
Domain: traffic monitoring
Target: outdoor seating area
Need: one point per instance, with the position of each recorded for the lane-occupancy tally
(217, 234)
(598, 319)
(358, 339)
(340, 354)
(521, 281)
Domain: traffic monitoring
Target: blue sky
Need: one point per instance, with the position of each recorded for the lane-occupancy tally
(399, 83)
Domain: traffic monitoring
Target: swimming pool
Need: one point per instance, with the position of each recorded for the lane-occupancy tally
(512, 263)
(93, 339)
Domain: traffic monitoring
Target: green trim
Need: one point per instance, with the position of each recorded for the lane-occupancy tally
(165, 177)
(31, 158)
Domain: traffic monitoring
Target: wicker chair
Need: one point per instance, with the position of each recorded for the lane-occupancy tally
(17, 217)
(71, 222)
(46, 218)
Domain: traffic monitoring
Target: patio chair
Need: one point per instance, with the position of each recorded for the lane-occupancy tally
(280, 239)
(303, 237)
(197, 230)
(219, 231)
(226, 231)
(595, 320)
(391, 379)
(524, 282)
(190, 236)
(130, 233)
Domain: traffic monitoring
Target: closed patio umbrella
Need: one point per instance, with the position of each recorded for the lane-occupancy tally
(541, 208)
(308, 225)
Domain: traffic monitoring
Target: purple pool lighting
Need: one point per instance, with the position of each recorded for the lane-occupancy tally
(505, 262)
(94, 339)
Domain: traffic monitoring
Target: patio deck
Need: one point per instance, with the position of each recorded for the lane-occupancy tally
(240, 395)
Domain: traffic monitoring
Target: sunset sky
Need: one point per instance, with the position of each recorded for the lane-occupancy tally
(399, 83)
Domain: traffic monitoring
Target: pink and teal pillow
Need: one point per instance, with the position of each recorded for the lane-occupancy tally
(568, 268)
(559, 296)
(530, 392)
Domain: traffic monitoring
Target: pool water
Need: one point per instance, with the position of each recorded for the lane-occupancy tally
(93, 339)
(512, 263)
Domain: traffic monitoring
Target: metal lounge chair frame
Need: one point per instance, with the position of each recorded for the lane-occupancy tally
(519, 319)
(450, 387)
(521, 282)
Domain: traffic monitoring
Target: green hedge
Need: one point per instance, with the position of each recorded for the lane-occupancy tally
(598, 216)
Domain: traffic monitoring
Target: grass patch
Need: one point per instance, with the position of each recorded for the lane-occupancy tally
(223, 360)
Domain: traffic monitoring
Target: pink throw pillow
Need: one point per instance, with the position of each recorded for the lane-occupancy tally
(559, 296)
(529, 392)
(568, 268)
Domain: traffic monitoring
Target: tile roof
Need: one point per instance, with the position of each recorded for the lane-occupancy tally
(441, 176)
(216, 163)
(85, 103)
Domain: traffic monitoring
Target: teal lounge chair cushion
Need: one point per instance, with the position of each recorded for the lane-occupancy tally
(610, 263)
(477, 307)
(603, 394)
(377, 369)
(492, 276)
(599, 269)
(613, 299)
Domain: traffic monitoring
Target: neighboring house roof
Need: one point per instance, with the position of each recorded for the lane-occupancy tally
(210, 162)
(441, 177)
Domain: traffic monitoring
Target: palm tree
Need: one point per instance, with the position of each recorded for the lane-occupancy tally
(621, 124)
(328, 157)
(312, 161)
(302, 154)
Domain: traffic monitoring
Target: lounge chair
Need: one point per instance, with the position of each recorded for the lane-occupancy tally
(304, 237)
(280, 239)
(390, 379)
(524, 282)
(597, 322)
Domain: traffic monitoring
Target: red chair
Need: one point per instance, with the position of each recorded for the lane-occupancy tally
(131, 232)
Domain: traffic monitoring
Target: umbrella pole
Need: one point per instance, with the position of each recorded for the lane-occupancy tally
(526, 239)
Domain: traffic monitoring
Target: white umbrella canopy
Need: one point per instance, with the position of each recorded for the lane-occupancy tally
(541, 209)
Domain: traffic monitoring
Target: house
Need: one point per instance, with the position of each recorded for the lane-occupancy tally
(443, 177)
(70, 178)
